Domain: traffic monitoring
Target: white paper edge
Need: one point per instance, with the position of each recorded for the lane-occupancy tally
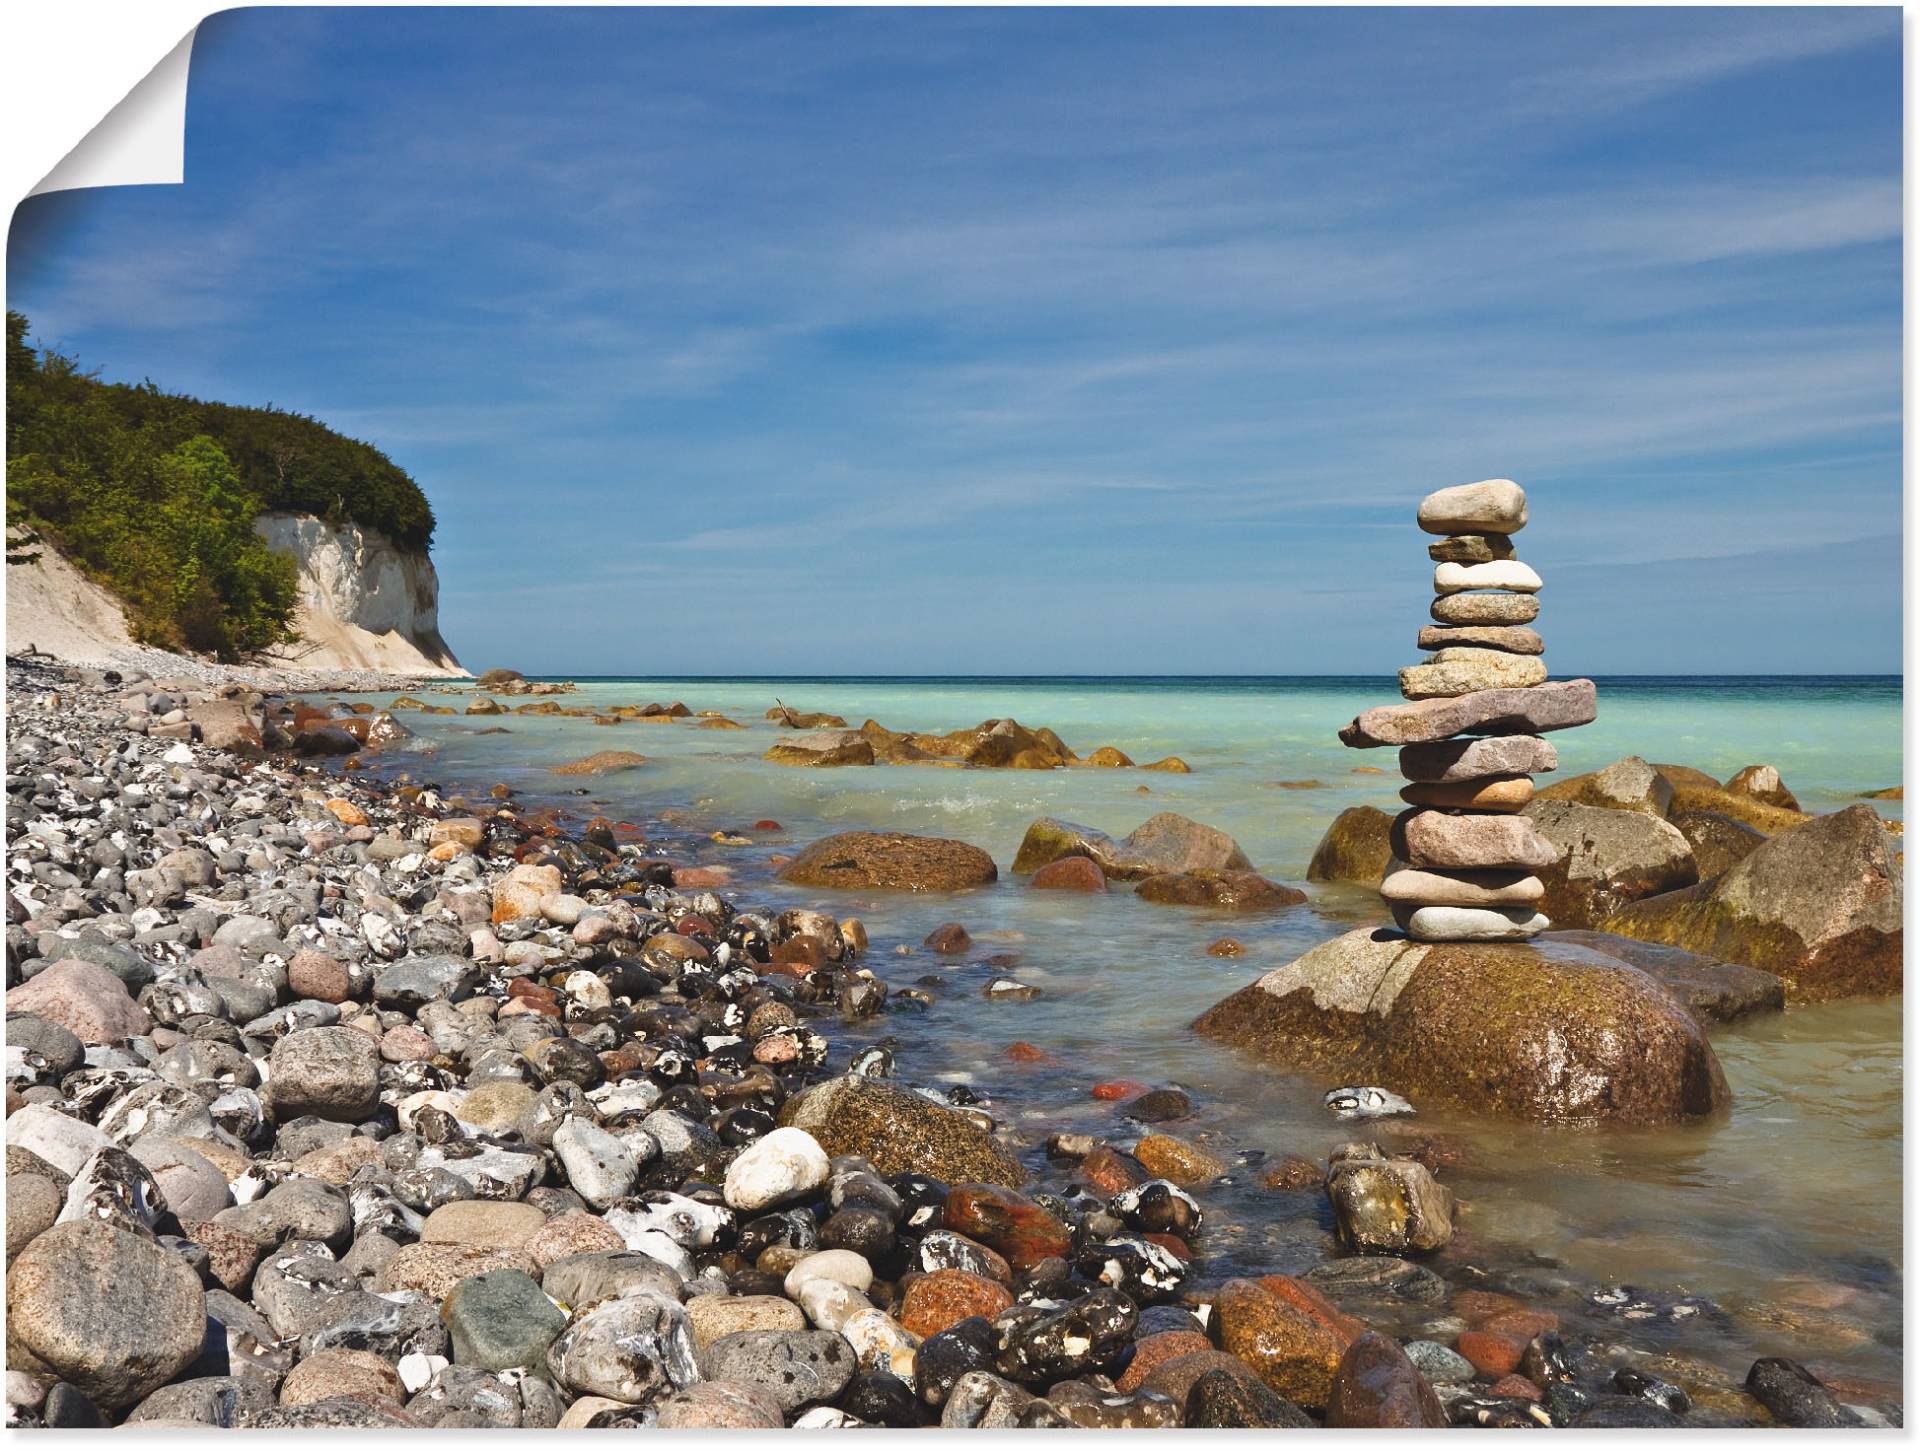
(142, 141)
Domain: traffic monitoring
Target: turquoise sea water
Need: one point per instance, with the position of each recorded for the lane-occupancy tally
(1786, 1215)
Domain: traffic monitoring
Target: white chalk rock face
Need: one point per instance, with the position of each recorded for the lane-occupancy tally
(1505, 574)
(365, 603)
(1492, 506)
(784, 1165)
(1469, 924)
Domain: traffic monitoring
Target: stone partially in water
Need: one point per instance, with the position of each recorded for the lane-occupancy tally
(900, 1132)
(1819, 905)
(1763, 784)
(862, 860)
(1224, 891)
(1555, 1034)
(1388, 1206)
(1164, 843)
(1603, 860)
(1491, 506)
(1378, 1386)
(1557, 706)
(1712, 990)
(1293, 1346)
(1356, 848)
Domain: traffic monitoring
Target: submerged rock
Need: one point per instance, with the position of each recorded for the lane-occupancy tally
(900, 1132)
(1225, 891)
(1552, 1033)
(1357, 848)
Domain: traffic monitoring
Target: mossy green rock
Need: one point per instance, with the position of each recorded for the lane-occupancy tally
(1541, 1031)
(1818, 905)
(500, 1320)
(901, 1132)
(1356, 848)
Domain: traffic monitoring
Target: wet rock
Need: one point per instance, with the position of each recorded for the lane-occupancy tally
(1085, 1336)
(1356, 848)
(1069, 874)
(949, 940)
(1793, 1396)
(1711, 990)
(1818, 906)
(1541, 1031)
(1081, 1404)
(1763, 784)
(1389, 1205)
(1184, 1163)
(1376, 1385)
(1008, 1222)
(1224, 1399)
(1166, 843)
(940, 1300)
(1294, 1345)
(109, 1312)
(948, 1357)
(864, 860)
(1223, 891)
(1439, 1364)
(900, 1132)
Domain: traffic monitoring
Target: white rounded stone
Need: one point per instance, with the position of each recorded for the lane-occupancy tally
(1469, 924)
(1506, 574)
(600, 1166)
(842, 1266)
(1492, 506)
(783, 1165)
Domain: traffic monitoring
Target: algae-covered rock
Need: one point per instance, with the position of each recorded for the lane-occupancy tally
(1226, 891)
(1606, 859)
(1819, 905)
(1712, 990)
(900, 1132)
(1629, 784)
(1718, 841)
(1543, 1031)
(1356, 848)
(859, 860)
(1162, 844)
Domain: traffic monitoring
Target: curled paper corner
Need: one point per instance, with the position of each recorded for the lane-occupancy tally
(142, 141)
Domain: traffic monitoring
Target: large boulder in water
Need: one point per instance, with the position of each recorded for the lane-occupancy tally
(1542, 1031)
(860, 860)
(1224, 891)
(1606, 859)
(1167, 843)
(1356, 848)
(899, 1132)
(1712, 990)
(1697, 791)
(1818, 905)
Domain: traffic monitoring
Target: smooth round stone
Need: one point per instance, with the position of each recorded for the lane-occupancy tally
(1461, 671)
(798, 1367)
(1469, 924)
(1514, 639)
(842, 1266)
(714, 1317)
(600, 1166)
(784, 1165)
(483, 1224)
(501, 1320)
(1504, 608)
(1490, 793)
(1461, 888)
(1426, 838)
(1501, 574)
(1439, 1363)
(1491, 506)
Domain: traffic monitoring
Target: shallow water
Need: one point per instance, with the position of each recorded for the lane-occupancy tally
(1783, 1220)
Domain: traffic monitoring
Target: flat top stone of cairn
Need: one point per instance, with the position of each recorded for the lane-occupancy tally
(1492, 506)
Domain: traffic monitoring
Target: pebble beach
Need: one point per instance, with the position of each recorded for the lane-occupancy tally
(411, 1054)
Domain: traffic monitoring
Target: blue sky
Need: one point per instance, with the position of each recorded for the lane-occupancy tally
(1057, 341)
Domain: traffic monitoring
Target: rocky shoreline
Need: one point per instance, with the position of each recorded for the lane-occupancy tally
(341, 1104)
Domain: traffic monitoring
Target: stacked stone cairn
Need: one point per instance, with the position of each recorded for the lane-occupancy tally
(1464, 858)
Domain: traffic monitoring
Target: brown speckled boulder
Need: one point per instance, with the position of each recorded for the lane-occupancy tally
(1226, 891)
(861, 860)
(1355, 849)
(1818, 905)
(901, 1132)
(1543, 1031)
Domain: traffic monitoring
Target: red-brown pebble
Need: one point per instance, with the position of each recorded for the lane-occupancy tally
(1156, 1350)
(1490, 1353)
(1515, 1385)
(1069, 874)
(1118, 1089)
(1225, 947)
(1109, 1171)
(1024, 1052)
(937, 1301)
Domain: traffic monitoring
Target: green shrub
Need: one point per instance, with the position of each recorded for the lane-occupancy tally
(155, 494)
